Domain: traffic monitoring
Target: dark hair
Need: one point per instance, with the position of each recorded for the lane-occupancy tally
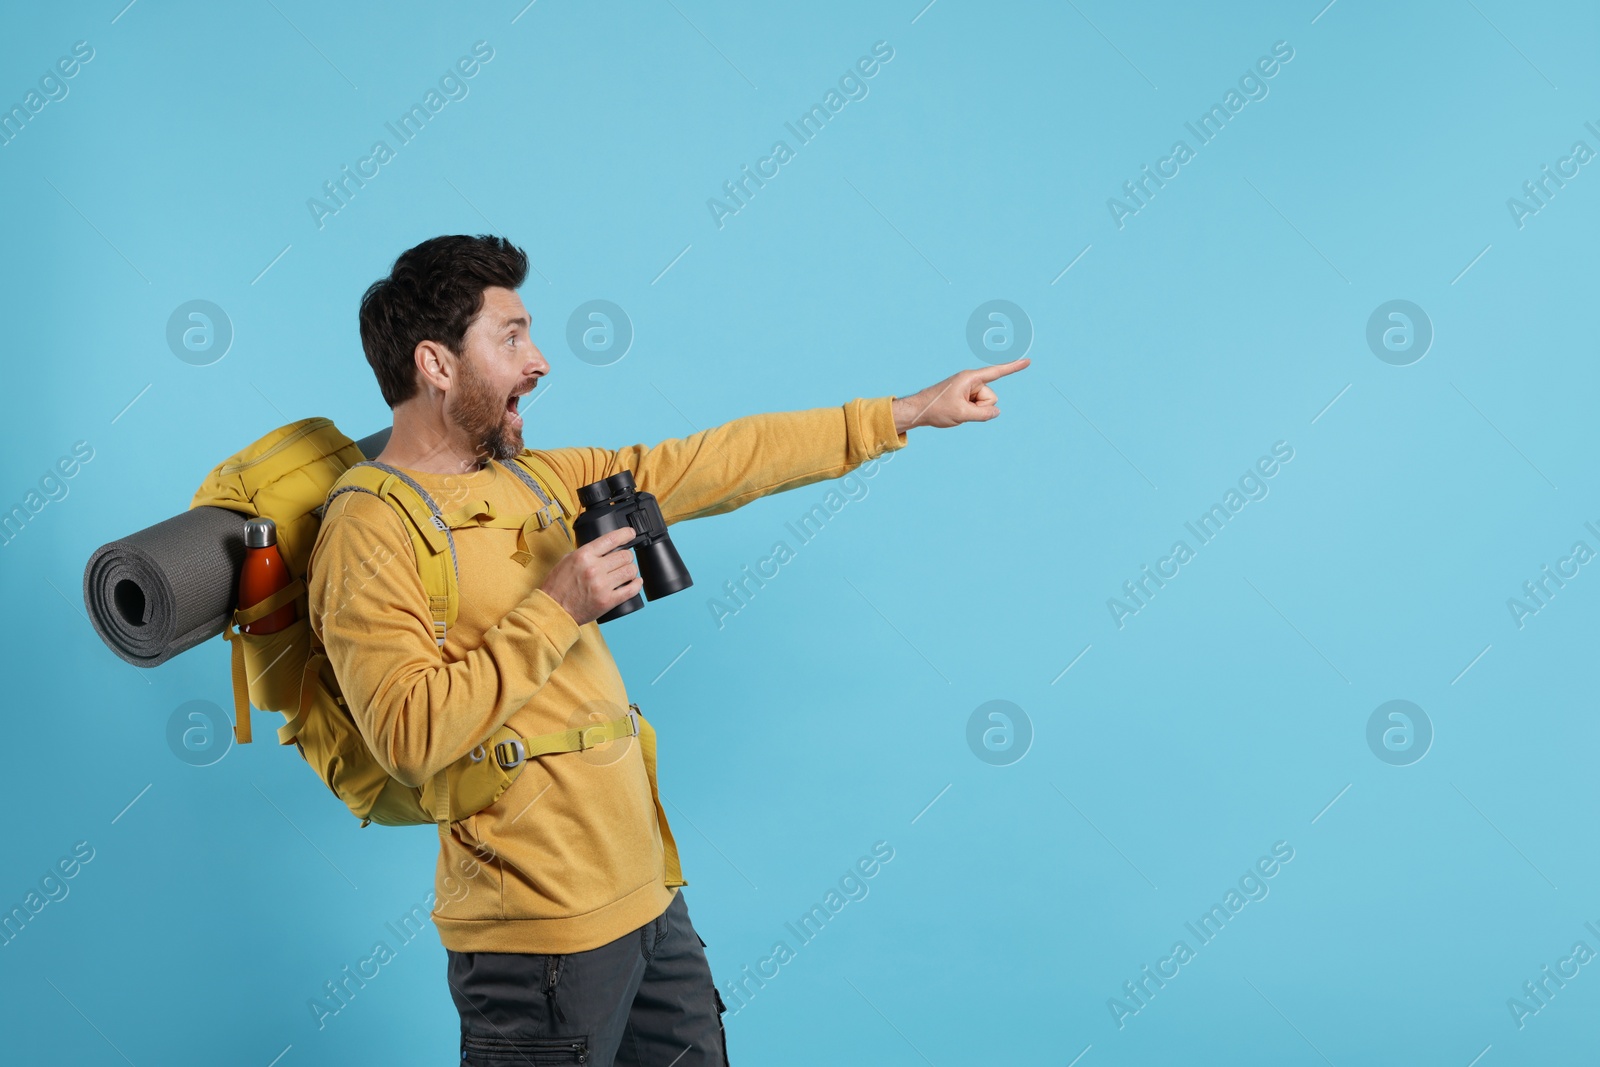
(432, 293)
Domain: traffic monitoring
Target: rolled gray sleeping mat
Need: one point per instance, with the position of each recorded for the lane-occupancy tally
(171, 586)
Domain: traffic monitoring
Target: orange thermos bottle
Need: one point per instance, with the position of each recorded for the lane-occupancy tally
(263, 574)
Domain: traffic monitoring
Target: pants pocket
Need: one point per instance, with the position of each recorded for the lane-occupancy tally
(542, 1052)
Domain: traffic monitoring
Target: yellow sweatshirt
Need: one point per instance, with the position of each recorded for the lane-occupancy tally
(571, 856)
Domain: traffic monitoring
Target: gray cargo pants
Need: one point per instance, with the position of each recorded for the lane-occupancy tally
(644, 1000)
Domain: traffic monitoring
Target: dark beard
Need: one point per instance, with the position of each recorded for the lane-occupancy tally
(482, 414)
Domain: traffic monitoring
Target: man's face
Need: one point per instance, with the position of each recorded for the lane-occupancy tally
(499, 365)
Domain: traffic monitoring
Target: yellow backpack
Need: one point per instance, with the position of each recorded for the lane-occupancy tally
(289, 476)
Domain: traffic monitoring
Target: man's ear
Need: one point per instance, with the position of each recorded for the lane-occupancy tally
(436, 366)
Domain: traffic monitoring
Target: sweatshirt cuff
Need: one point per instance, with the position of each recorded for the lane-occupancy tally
(871, 428)
(552, 620)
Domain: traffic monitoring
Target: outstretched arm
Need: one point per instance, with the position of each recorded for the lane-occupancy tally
(722, 468)
(719, 469)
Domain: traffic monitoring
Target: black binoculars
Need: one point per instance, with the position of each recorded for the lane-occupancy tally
(613, 503)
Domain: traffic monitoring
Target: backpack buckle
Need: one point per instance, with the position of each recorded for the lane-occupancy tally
(510, 754)
(549, 514)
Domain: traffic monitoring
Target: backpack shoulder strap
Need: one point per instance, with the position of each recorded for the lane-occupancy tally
(558, 507)
(430, 535)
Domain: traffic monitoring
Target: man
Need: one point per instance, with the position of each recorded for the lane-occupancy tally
(558, 905)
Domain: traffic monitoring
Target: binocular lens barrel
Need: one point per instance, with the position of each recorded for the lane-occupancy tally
(662, 569)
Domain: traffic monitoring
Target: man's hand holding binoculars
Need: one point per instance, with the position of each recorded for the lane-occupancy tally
(963, 397)
(584, 581)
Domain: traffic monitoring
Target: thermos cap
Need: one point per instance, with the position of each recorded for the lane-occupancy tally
(259, 533)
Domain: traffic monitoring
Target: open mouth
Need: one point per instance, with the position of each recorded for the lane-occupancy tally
(512, 404)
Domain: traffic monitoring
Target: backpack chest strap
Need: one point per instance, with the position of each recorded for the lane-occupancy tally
(473, 513)
(482, 513)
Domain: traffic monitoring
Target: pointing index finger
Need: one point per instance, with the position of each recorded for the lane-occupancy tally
(1000, 370)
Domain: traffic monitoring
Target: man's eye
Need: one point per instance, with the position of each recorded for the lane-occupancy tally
(513, 340)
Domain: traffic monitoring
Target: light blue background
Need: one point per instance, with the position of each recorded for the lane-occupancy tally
(828, 713)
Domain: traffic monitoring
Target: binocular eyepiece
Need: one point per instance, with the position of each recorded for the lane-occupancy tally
(613, 503)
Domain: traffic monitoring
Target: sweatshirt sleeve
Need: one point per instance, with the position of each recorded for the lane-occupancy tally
(721, 468)
(368, 607)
